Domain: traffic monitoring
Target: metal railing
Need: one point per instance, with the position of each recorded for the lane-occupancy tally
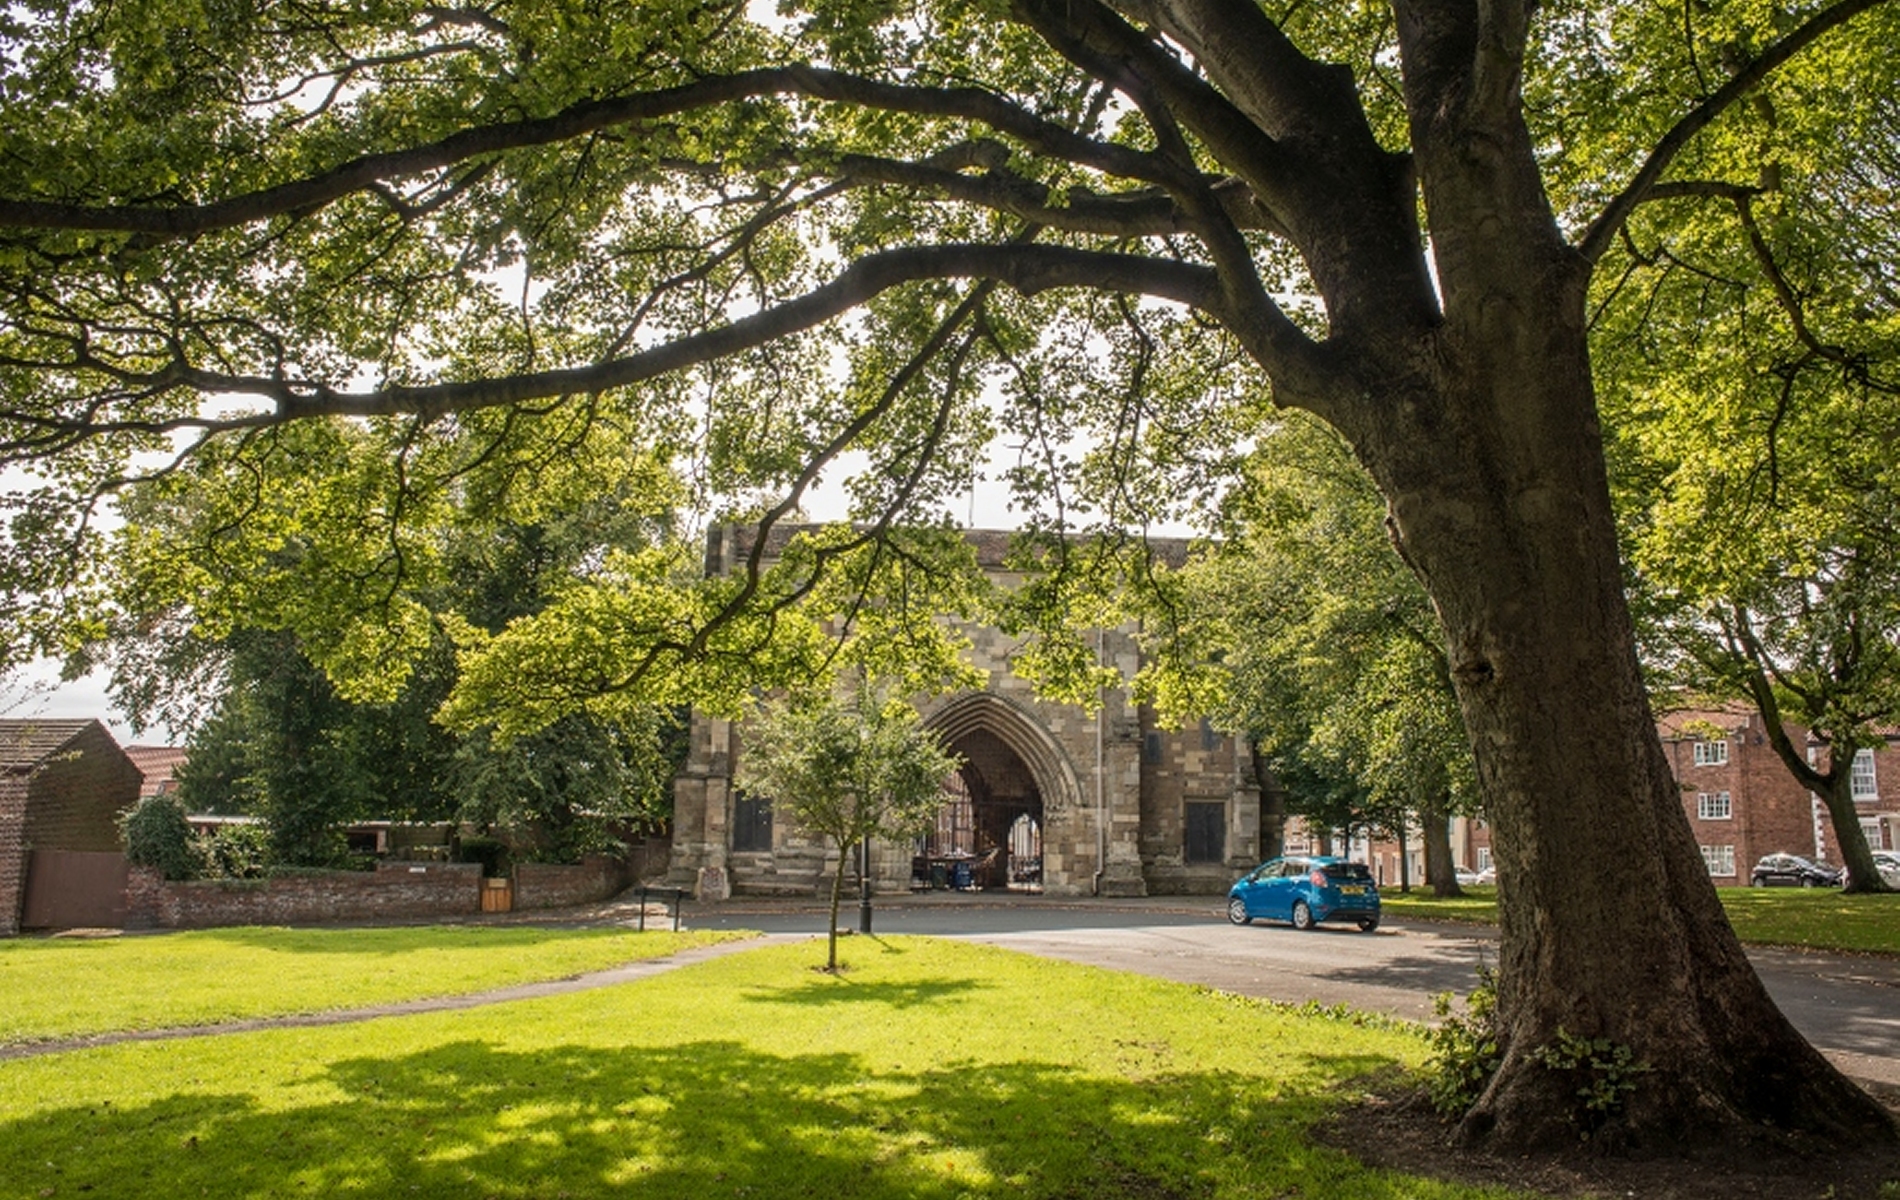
(678, 900)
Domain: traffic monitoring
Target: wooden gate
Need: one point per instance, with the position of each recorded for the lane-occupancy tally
(74, 889)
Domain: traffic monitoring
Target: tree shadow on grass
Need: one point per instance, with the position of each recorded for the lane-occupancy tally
(842, 989)
(705, 1119)
(394, 941)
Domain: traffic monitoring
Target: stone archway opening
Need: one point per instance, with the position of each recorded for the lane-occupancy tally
(988, 834)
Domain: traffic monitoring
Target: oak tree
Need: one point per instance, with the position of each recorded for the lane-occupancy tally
(741, 248)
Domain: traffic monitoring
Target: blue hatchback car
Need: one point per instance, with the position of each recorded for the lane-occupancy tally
(1306, 890)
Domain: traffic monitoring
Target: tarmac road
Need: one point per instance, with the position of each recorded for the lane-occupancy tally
(1846, 1005)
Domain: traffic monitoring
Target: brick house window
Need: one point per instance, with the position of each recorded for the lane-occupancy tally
(1714, 806)
(1865, 786)
(1711, 754)
(1151, 749)
(751, 823)
(1720, 859)
(1206, 833)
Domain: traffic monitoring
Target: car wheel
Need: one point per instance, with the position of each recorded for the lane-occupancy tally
(1757, 881)
(1806, 882)
(1302, 915)
(1237, 911)
(1368, 925)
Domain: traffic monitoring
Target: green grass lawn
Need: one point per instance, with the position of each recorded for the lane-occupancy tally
(1819, 918)
(931, 1069)
(67, 987)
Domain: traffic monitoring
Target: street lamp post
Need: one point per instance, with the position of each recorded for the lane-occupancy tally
(864, 885)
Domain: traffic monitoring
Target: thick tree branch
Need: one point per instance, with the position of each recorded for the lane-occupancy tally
(1602, 231)
(1028, 269)
(316, 191)
(1146, 213)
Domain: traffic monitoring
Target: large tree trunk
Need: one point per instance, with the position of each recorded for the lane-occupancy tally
(1272, 805)
(1611, 927)
(1441, 873)
(1835, 786)
(1863, 875)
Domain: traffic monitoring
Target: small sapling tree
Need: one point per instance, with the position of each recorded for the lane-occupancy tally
(847, 769)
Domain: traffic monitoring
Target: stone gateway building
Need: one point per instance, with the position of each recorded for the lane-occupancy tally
(1050, 798)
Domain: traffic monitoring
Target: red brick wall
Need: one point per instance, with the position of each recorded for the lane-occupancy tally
(12, 851)
(394, 891)
(545, 885)
(70, 802)
(76, 797)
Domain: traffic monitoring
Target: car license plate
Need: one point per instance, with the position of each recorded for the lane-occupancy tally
(1352, 890)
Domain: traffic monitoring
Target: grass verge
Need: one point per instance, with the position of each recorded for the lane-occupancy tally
(70, 987)
(1819, 918)
(931, 1069)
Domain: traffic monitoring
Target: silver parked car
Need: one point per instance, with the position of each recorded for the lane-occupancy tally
(1889, 864)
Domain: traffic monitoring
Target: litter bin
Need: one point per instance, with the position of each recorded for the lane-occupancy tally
(498, 895)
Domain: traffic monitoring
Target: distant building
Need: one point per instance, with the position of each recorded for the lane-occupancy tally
(63, 784)
(1740, 798)
(158, 768)
(1051, 797)
(1744, 803)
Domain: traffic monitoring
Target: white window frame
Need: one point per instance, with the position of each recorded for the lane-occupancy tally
(1714, 806)
(1711, 753)
(1720, 860)
(1866, 784)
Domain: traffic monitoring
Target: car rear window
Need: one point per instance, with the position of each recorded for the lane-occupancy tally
(1358, 872)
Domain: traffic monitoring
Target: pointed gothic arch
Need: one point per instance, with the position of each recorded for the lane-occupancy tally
(969, 713)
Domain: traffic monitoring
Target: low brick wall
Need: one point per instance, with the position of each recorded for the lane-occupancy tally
(545, 885)
(394, 891)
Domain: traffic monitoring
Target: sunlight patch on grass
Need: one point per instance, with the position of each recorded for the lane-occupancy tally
(58, 987)
(1815, 918)
(932, 1069)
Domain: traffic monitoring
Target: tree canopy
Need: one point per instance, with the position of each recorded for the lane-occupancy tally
(1305, 632)
(521, 246)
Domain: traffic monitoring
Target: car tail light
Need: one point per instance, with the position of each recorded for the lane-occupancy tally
(1319, 878)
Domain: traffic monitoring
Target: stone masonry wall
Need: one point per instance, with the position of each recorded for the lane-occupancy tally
(1107, 827)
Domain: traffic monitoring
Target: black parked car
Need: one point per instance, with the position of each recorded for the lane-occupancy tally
(1791, 870)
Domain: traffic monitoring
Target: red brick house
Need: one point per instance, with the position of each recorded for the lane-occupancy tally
(1743, 803)
(63, 784)
(1739, 798)
(159, 767)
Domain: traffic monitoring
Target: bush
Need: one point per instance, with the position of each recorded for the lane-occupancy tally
(158, 835)
(1603, 1071)
(492, 853)
(1465, 1050)
(233, 851)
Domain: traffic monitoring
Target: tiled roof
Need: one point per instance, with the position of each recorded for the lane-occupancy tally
(1694, 723)
(30, 741)
(158, 764)
(1727, 717)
